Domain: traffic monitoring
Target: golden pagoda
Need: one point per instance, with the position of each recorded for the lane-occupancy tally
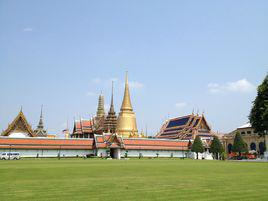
(126, 122)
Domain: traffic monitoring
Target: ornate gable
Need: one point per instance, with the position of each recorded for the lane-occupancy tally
(19, 125)
(115, 141)
(203, 125)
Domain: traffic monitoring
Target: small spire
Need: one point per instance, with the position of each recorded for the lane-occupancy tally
(112, 99)
(41, 124)
(41, 116)
(40, 131)
(21, 108)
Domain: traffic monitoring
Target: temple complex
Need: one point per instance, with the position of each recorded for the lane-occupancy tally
(126, 123)
(109, 136)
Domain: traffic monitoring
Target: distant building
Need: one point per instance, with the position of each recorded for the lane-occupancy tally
(252, 139)
(106, 145)
(19, 127)
(40, 131)
(83, 128)
(86, 128)
(186, 128)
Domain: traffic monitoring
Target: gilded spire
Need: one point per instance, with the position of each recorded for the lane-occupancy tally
(126, 105)
(100, 110)
(126, 122)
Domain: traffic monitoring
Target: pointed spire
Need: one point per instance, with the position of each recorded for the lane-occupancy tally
(100, 110)
(112, 99)
(111, 119)
(41, 124)
(126, 122)
(126, 105)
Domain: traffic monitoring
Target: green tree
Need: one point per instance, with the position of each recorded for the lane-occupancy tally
(239, 144)
(197, 146)
(259, 113)
(216, 147)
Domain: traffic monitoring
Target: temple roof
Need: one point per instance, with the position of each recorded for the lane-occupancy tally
(115, 141)
(20, 125)
(83, 126)
(45, 143)
(99, 141)
(184, 127)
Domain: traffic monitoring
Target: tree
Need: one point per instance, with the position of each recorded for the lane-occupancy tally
(197, 146)
(216, 147)
(259, 113)
(239, 144)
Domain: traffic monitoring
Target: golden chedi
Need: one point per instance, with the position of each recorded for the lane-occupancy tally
(126, 122)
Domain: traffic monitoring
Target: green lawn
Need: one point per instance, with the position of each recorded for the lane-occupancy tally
(134, 179)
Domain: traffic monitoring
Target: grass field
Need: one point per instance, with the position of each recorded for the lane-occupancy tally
(134, 179)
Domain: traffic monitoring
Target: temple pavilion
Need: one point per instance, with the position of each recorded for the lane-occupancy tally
(20, 127)
(186, 128)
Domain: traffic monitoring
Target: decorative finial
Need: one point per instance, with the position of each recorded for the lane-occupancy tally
(126, 77)
(41, 115)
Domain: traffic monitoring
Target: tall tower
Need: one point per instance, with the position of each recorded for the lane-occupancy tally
(100, 110)
(40, 131)
(126, 122)
(111, 119)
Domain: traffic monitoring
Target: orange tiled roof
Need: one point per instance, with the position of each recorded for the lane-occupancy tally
(46, 143)
(83, 126)
(155, 144)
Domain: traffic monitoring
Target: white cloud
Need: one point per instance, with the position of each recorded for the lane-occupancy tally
(90, 93)
(28, 29)
(243, 86)
(180, 105)
(135, 84)
(96, 80)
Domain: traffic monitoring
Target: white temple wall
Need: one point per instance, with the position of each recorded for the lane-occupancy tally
(153, 153)
(101, 152)
(49, 153)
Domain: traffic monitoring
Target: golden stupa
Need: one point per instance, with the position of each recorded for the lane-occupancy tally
(126, 122)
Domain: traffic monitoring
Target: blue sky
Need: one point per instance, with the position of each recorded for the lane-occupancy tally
(207, 55)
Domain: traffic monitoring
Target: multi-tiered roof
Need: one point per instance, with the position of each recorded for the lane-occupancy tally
(111, 119)
(185, 128)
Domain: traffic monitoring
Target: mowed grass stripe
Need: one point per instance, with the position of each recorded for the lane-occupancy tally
(158, 179)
